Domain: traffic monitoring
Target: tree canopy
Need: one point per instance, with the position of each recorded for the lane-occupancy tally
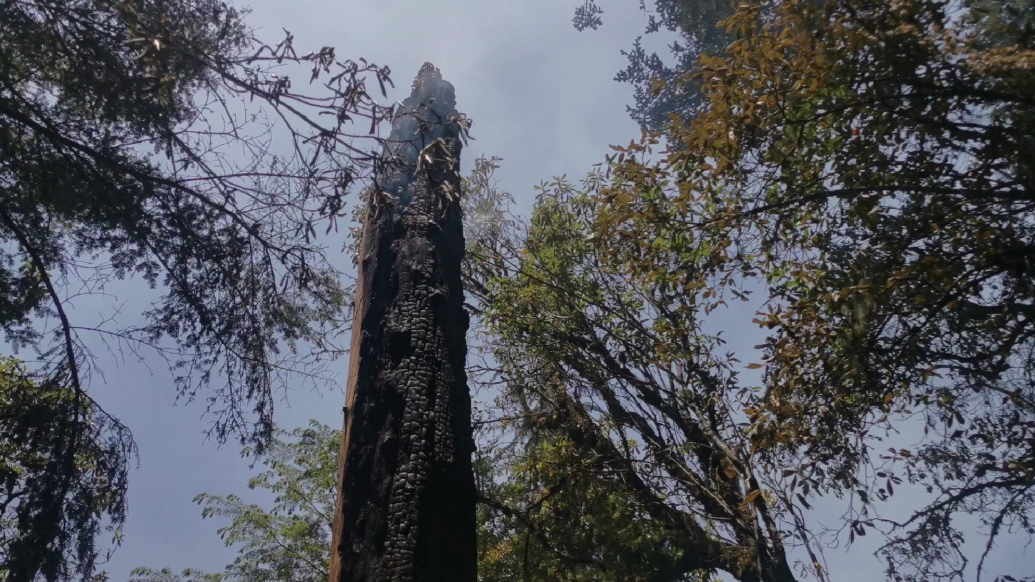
(860, 174)
(88, 88)
(696, 25)
(63, 470)
(614, 424)
(865, 166)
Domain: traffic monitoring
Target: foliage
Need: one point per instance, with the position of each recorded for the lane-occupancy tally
(230, 241)
(167, 575)
(867, 166)
(612, 443)
(159, 140)
(289, 541)
(63, 470)
(539, 520)
(536, 521)
(656, 95)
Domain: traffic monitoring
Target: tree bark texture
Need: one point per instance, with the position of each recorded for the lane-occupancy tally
(406, 502)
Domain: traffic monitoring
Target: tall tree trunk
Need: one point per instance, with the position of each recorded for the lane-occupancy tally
(406, 503)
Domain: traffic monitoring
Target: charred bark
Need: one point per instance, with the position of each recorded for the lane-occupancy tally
(406, 504)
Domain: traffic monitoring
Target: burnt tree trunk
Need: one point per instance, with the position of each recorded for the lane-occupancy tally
(406, 502)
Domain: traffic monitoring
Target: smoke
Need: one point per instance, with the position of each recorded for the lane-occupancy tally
(427, 115)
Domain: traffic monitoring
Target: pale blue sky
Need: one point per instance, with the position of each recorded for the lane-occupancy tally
(542, 97)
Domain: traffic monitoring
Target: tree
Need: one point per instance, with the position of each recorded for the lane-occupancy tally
(656, 92)
(291, 540)
(616, 432)
(406, 506)
(866, 167)
(536, 521)
(63, 471)
(539, 521)
(119, 120)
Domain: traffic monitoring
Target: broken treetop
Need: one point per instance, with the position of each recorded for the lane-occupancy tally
(428, 114)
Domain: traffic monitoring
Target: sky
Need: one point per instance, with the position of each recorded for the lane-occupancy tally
(542, 97)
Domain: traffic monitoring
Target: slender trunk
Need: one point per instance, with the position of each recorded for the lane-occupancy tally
(406, 507)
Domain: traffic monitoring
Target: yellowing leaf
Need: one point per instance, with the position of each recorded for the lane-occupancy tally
(751, 497)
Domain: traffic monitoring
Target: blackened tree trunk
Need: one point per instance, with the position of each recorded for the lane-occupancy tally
(406, 503)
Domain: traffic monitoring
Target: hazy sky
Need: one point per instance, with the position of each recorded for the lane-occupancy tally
(542, 98)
